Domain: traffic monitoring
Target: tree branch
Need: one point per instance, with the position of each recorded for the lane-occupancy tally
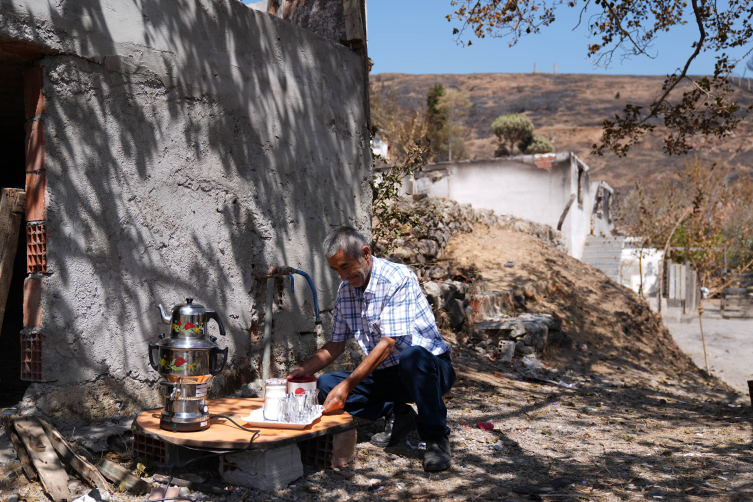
(657, 103)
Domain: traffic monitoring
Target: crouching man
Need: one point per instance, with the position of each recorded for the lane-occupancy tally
(381, 304)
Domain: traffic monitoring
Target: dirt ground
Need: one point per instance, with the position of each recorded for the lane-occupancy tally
(729, 345)
(627, 417)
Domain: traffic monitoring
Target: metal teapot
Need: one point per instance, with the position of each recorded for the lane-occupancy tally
(188, 320)
(186, 355)
(187, 360)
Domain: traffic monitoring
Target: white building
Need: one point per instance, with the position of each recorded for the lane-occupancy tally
(554, 189)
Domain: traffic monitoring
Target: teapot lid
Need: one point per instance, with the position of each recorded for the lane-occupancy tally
(189, 308)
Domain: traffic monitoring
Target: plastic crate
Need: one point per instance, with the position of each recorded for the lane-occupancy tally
(148, 448)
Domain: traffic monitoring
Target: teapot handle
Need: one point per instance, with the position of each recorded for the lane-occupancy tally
(214, 368)
(211, 314)
(153, 346)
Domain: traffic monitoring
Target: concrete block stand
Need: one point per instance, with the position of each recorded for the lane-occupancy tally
(263, 470)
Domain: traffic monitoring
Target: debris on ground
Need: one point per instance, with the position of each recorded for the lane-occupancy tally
(619, 410)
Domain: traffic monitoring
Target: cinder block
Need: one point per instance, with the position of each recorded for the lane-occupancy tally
(264, 470)
(35, 156)
(33, 97)
(36, 185)
(343, 448)
(32, 299)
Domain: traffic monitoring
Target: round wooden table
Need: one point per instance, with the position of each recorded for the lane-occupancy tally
(224, 435)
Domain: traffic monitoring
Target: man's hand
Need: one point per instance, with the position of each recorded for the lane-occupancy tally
(323, 357)
(336, 399)
(297, 373)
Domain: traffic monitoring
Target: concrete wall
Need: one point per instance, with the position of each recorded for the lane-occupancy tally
(531, 187)
(602, 217)
(637, 264)
(577, 225)
(188, 146)
(506, 186)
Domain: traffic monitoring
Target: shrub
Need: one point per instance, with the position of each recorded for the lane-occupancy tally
(513, 129)
(539, 144)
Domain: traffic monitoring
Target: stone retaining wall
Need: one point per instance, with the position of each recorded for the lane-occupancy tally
(440, 220)
(481, 318)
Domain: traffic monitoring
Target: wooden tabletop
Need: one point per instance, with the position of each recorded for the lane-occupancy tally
(222, 434)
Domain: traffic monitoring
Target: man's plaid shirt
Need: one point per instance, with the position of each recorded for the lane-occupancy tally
(392, 305)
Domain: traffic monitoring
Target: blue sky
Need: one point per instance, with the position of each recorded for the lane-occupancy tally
(413, 36)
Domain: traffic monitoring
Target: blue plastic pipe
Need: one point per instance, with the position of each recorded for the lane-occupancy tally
(313, 290)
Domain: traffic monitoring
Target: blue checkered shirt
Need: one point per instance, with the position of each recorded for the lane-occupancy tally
(392, 305)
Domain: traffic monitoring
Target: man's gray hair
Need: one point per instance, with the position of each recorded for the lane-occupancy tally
(346, 238)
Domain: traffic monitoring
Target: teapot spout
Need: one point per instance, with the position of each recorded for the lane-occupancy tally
(165, 318)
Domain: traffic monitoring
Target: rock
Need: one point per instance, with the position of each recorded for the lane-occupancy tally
(492, 303)
(529, 290)
(438, 271)
(519, 299)
(428, 248)
(440, 294)
(522, 349)
(401, 255)
(435, 294)
(523, 226)
(457, 313)
(557, 337)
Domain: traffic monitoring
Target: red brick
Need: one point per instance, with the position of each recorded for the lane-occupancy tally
(32, 303)
(33, 97)
(545, 161)
(343, 448)
(35, 155)
(36, 248)
(31, 357)
(36, 183)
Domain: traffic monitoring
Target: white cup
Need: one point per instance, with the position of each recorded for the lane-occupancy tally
(274, 390)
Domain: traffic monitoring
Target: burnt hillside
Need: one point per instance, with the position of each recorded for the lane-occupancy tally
(570, 110)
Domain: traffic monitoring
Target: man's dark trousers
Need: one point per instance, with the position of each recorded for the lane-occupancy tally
(420, 377)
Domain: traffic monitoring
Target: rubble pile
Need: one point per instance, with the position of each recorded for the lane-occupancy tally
(460, 301)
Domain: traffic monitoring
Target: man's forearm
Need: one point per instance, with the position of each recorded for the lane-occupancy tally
(376, 357)
(323, 357)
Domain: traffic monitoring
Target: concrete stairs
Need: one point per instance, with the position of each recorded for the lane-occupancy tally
(604, 253)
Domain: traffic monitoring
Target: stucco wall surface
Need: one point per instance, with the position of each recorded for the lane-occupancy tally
(190, 145)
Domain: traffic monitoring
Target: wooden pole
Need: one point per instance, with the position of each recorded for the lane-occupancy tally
(11, 214)
(664, 256)
(703, 339)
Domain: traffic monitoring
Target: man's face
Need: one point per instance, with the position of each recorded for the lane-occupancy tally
(356, 271)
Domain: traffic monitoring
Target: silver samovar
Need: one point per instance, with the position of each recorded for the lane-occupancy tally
(187, 361)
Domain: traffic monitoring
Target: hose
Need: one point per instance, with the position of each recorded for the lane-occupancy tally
(313, 291)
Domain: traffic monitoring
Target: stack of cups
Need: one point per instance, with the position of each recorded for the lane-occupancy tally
(291, 401)
(299, 408)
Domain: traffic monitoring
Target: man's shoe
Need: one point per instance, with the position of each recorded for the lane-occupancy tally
(438, 456)
(396, 427)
